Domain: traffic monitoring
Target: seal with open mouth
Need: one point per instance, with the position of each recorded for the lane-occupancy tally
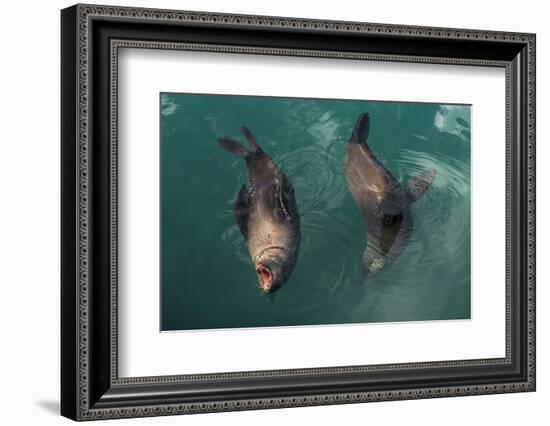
(383, 201)
(266, 214)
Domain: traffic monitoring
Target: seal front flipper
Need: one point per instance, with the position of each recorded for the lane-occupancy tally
(285, 201)
(242, 210)
(419, 184)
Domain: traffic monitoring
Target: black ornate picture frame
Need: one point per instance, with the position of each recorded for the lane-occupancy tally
(90, 384)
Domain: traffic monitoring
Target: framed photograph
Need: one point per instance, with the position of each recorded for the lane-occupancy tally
(263, 212)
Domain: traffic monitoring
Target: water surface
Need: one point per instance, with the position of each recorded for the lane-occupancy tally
(207, 277)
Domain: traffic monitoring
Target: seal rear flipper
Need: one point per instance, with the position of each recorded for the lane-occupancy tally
(234, 147)
(250, 139)
(361, 129)
(242, 209)
(418, 185)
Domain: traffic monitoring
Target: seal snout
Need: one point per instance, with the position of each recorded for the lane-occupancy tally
(265, 276)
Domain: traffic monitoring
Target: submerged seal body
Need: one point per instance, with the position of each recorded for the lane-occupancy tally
(383, 201)
(267, 214)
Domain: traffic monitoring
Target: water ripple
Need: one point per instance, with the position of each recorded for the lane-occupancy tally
(329, 271)
(441, 218)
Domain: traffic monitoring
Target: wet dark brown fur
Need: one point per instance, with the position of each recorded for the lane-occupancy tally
(267, 215)
(384, 203)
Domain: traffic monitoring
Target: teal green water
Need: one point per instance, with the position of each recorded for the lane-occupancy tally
(207, 277)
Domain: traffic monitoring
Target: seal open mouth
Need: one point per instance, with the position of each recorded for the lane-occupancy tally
(265, 276)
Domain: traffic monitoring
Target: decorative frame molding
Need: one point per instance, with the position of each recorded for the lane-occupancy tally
(91, 388)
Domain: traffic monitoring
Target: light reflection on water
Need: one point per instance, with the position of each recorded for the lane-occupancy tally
(208, 278)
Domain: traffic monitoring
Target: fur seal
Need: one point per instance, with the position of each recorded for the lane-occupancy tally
(267, 214)
(383, 201)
